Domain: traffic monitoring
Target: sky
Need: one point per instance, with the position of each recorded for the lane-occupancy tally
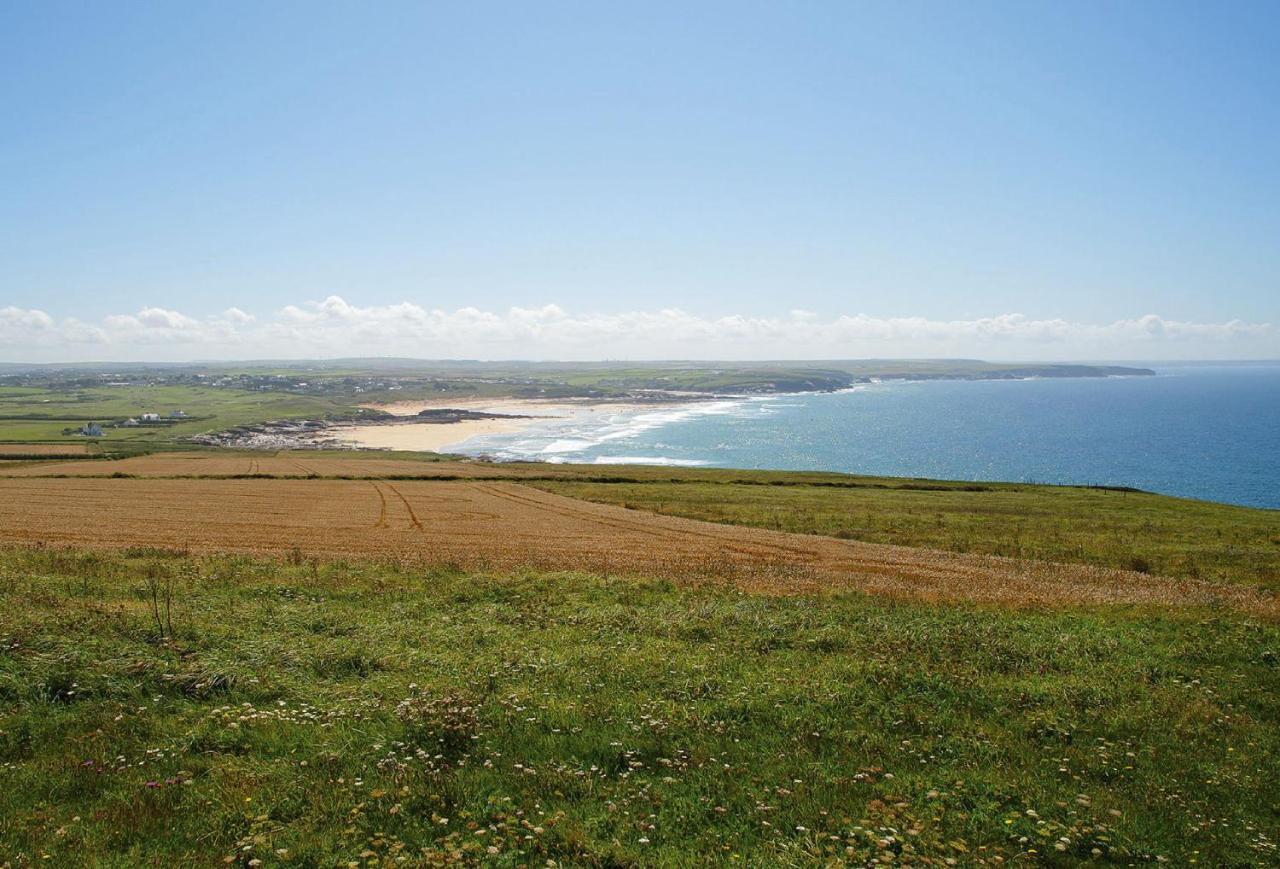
(736, 180)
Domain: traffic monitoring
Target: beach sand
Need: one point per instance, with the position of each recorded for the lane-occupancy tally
(426, 436)
(440, 437)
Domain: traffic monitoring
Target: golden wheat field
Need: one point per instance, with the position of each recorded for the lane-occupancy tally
(504, 525)
(43, 450)
(358, 464)
(283, 464)
(297, 463)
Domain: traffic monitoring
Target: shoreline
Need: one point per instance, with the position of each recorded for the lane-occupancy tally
(520, 414)
(431, 437)
(529, 406)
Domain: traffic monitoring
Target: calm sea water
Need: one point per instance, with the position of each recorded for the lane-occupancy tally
(1210, 432)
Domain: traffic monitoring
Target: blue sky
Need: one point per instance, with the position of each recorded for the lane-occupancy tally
(1086, 164)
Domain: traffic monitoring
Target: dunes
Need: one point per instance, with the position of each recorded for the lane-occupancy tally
(504, 525)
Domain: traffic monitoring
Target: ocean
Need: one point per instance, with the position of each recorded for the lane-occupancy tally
(1198, 431)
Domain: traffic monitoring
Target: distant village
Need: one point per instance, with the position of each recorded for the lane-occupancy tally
(95, 430)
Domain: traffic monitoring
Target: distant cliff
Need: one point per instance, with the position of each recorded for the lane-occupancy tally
(1013, 372)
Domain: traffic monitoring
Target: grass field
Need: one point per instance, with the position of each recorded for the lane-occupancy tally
(499, 524)
(40, 415)
(1131, 531)
(1135, 531)
(422, 662)
(335, 713)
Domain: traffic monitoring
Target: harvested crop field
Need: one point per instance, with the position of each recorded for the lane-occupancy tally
(298, 463)
(50, 450)
(286, 464)
(377, 464)
(502, 525)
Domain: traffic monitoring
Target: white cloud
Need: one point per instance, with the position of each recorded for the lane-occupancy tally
(235, 315)
(334, 327)
(18, 321)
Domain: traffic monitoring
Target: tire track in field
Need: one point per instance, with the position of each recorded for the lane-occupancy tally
(526, 528)
(550, 503)
(568, 513)
(413, 517)
(810, 552)
(382, 510)
(762, 549)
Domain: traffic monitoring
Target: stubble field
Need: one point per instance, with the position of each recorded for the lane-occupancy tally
(50, 450)
(504, 525)
(263, 659)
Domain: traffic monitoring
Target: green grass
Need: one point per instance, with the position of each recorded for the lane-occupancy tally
(315, 714)
(41, 415)
(1152, 533)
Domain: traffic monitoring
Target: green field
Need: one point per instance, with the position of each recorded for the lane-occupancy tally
(356, 714)
(1132, 530)
(41, 415)
(158, 708)
(243, 392)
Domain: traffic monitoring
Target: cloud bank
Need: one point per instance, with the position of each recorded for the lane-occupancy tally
(334, 327)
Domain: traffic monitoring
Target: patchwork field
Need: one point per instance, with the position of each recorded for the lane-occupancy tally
(262, 659)
(1136, 531)
(44, 413)
(503, 525)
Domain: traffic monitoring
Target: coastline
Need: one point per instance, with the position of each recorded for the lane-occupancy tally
(535, 407)
(426, 436)
(524, 413)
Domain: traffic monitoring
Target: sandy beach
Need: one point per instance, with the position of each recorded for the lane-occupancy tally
(440, 437)
(428, 436)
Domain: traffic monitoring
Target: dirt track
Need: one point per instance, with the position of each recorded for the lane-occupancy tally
(503, 525)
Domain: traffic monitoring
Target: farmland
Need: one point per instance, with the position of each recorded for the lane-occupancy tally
(488, 525)
(42, 415)
(47, 405)
(309, 658)
(294, 711)
(1131, 531)
(43, 451)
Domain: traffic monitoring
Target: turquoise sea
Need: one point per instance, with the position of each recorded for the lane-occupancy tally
(1194, 430)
